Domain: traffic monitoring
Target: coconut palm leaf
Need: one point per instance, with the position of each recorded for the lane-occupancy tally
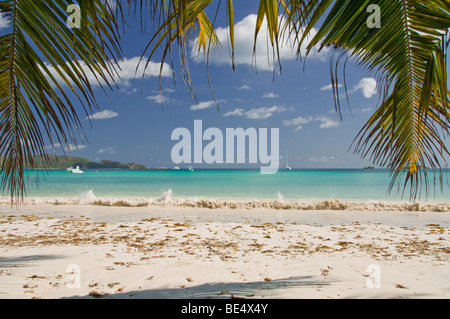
(44, 69)
(408, 57)
(179, 20)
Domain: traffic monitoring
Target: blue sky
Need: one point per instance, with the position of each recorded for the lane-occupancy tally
(132, 126)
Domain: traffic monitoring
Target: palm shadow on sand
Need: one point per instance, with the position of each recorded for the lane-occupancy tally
(223, 290)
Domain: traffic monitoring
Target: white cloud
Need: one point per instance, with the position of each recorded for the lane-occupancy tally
(325, 122)
(263, 113)
(270, 95)
(260, 113)
(107, 150)
(128, 91)
(4, 23)
(236, 112)
(158, 98)
(322, 159)
(368, 109)
(244, 87)
(297, 121)
(69, 148)
(368, 86)
(329, 87)
(127, 71)
(202, 105)
(103, 115)
(244, 33)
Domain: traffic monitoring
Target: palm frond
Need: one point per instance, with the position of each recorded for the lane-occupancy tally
(179, 20)
(34, 104)
(408, 57)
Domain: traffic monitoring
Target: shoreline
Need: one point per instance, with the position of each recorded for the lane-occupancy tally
(166, 200)
(144, 252)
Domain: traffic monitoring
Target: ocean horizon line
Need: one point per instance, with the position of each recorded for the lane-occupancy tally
(233, 168)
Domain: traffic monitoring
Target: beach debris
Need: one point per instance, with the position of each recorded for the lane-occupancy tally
(324, 272)
(26, 286)
(400, 286)
(94, 293)
(111, 285)
(37, 277)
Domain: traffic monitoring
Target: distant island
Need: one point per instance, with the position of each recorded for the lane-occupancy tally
(64, 161)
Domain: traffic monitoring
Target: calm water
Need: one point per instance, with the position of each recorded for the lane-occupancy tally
(316, 184)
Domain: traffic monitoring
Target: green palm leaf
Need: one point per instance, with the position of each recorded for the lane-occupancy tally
(408, 56)
(179, 20)
(34, 104)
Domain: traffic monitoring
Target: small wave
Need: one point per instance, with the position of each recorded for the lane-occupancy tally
(87, 197)
(166, 197)
(166, 200)
(318, 205)
(280, 197)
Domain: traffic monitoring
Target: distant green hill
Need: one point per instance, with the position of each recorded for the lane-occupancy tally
(64, 161)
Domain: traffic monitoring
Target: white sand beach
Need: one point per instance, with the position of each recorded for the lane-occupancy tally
(85, 251)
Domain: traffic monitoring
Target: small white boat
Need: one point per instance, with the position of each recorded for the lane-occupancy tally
(189, 169)
(176, 167)
(287, 167)
(75, 170)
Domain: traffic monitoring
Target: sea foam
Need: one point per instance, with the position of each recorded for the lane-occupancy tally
(167, 200)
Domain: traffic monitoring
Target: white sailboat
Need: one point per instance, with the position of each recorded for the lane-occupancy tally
(75, 170)
(287, 167)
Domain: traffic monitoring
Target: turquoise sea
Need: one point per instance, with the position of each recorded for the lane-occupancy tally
(165, 186)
